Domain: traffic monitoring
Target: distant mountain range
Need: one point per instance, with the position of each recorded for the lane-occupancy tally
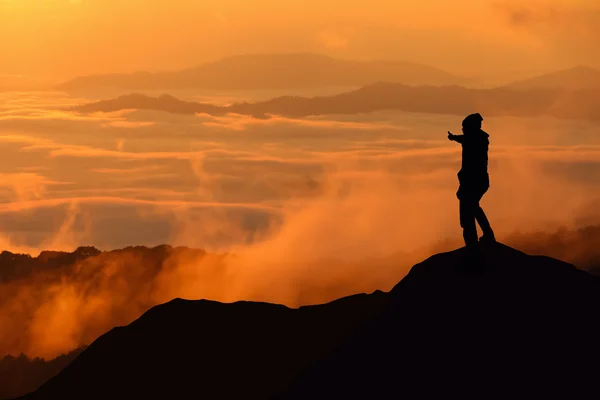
(455, 100)
(576, 78)
(270, 72)
(517, 324)
(307, 70)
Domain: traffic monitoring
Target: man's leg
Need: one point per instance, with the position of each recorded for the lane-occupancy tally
(467, 206)
(482, 220)
(468, 202)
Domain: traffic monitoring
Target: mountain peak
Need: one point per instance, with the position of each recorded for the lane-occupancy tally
(86, 251)
(269, 71)
(518, 323)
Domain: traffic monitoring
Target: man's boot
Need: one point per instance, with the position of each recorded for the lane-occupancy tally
(488, 238)
(488, 233)
(470, 236)
(473, 258)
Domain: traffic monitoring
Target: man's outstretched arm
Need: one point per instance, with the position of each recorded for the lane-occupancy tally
(456, 138)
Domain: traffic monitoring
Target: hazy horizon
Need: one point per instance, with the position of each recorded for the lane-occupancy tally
(466, 37)
(13, 82)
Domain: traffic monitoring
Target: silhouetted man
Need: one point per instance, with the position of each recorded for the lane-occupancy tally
(474, 179)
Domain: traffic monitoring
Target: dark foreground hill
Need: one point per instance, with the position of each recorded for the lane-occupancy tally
(524, 326)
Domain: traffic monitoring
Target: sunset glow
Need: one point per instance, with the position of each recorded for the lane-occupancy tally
(58, 39)
(304, 193)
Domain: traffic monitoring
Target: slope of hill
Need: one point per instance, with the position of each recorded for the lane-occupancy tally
(578, 246)
(575, 78)
(270, 72)
(521, 324)
(455, 100)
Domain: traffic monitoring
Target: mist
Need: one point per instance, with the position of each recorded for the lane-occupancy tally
(293, 211)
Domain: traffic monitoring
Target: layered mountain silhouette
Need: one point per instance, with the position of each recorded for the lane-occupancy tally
(576, 78)
(519, 325)
(270, 72)
(14, 265)
(20, 375)
(454, 100)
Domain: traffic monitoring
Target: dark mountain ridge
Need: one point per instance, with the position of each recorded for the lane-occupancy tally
(451, 100)
(15, 266)
(519, 324)
(19, 375)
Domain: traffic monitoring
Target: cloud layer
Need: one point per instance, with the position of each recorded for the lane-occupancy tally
(307, 210)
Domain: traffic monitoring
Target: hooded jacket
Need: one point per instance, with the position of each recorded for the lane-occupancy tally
(474, 158)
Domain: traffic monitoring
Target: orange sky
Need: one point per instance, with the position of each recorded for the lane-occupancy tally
(62, 38)
(285, 195)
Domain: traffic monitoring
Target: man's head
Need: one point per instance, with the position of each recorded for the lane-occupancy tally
(472, 123)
